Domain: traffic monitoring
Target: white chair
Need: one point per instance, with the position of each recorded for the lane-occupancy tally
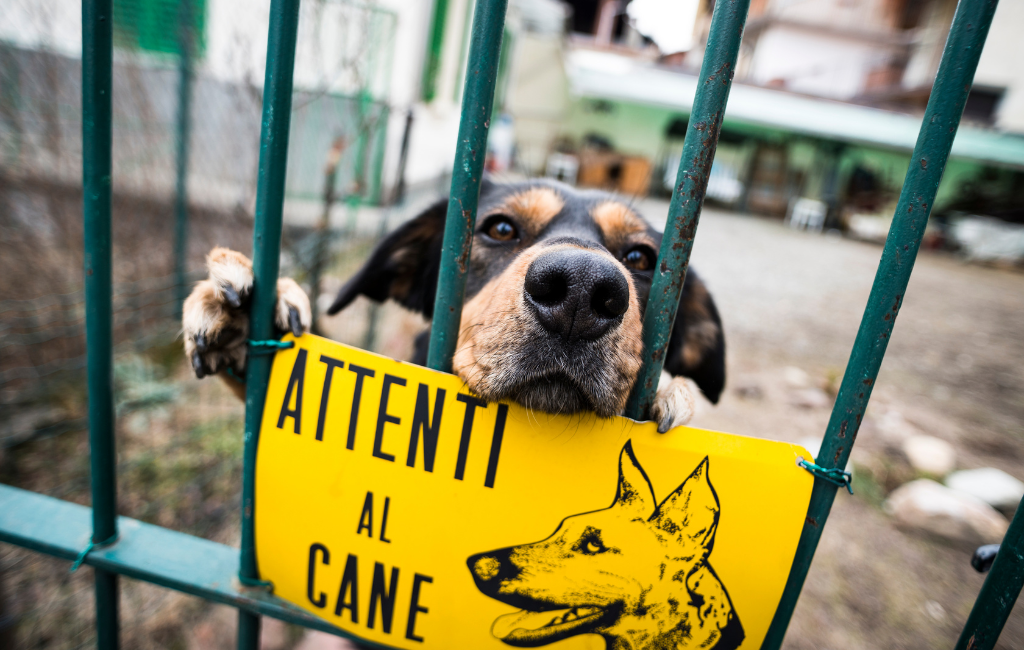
(807, 214)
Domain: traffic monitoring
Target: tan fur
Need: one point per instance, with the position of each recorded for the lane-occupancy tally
(496, 323)
(674, 404)
(702, 333)
(206, 313)
(618, 223)
(229, 268)
(291, 295)
(537, 206)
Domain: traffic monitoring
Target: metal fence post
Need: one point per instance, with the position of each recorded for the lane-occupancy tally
(702, 132)
(97, 71)
(484, 51)
(1000, 591)
(438, 21)
(266, 244)
(186, 51)
(941, 119)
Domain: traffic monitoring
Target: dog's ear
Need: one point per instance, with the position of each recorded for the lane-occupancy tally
(403, 267)
(697, 346)
(634, 492)
(689, 516)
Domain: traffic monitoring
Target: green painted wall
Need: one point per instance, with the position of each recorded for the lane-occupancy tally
(638, 130)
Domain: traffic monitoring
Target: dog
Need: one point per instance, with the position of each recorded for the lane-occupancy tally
(556, 284)
(635, 573)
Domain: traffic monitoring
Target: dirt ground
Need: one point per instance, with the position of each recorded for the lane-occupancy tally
(954, 369)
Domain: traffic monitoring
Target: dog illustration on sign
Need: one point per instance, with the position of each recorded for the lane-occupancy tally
(637, 573)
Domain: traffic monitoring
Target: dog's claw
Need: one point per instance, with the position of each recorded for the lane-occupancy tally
(294, 322)
(197, 365)
(231, 296)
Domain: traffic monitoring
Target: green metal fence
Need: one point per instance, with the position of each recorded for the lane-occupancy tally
(116, 546)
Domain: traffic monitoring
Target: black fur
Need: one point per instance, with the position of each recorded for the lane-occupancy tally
(405, 267)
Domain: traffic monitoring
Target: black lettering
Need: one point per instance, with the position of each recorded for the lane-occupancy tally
(331, 365)
(295, 382)
(384, 521)
(467, 429)
(321, 599)
(499, 433)
(348, 597)
(366, 518)
(421, 420)
(385, 597)
(383, 417)
(361, 374)
(415, 607)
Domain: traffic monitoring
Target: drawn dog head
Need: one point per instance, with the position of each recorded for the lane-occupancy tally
(637, 572)
(556, 285)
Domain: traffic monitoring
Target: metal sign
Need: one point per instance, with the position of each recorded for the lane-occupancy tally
(408, 512)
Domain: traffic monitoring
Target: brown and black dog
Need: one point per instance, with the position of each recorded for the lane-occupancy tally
(556, 286)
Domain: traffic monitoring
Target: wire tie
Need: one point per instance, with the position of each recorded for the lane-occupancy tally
(269, 346)
(256, 582)
(835, 476)
(88, 549)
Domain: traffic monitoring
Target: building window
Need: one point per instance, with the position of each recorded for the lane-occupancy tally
(156, 25)
(982, 104)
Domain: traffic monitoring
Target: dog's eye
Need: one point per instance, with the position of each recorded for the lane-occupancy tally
(640, 258)
(501, 229)
(593, 546)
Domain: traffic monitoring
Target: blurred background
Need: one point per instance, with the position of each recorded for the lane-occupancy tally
(824, 112)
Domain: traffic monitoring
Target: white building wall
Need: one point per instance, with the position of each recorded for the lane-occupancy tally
(824, 65)
(863, 15)
(1002, 63)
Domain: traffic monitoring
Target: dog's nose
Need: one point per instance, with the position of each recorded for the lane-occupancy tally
(576, 294)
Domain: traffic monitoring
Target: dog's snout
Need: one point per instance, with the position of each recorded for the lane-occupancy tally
(491, 570)
(576, 294)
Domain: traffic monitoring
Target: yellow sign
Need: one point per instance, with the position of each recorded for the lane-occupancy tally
(408, 512)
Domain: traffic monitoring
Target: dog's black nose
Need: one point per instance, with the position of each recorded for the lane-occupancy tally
(576, 294)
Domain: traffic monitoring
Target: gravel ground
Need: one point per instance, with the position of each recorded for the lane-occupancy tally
(953, 370)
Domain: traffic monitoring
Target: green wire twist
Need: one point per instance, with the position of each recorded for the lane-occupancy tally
(837, 477)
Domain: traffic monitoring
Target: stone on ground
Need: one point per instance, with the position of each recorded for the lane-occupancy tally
(315, 640)
(895, 429)
(993, 486)
(930, 455)
(935, 510)
(810, 398)
(795, 377)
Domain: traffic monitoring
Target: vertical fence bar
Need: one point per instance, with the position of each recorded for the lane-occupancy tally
(438, 21)
(716, 73)
(97, 71)
(184, 128)
(477, 99)
(1000, 591)
(266, 245)
(941, 119)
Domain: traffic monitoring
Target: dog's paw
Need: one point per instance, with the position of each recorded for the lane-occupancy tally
(674, 403)
(214, 320)
(215, 317)
(293, 313)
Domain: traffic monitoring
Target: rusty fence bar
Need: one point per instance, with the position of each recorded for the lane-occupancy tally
(941, 119)
(705, 124)
(477, 103)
